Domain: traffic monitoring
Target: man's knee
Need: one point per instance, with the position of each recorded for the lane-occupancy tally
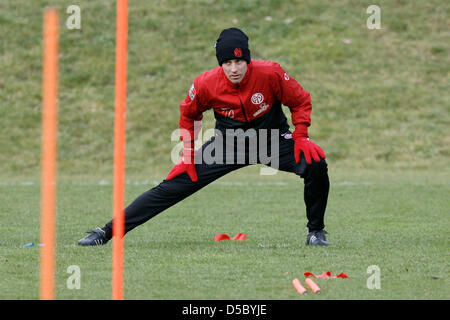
(315, 169)
(318, 169)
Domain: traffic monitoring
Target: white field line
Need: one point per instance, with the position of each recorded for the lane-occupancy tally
(32, 183)
(237, 183)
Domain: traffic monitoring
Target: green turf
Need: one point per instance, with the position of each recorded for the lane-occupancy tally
(398, 222)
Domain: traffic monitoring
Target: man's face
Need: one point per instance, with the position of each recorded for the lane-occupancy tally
(235, 70)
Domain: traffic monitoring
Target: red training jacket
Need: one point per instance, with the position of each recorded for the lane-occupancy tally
(253, 103)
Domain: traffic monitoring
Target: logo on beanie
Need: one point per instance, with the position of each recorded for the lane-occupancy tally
(238, 52)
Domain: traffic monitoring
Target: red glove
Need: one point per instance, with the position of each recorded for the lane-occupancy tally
(309, 148)
(186, 163)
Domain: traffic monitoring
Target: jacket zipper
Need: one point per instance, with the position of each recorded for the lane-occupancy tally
(243, 110)
(242, 104)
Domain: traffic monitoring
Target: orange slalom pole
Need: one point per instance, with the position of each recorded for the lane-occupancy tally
(314, 287)
(119, 147)
(298, 286)
(49, 153)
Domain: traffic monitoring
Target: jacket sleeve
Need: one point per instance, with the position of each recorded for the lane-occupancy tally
(297, 99)
(191, 113)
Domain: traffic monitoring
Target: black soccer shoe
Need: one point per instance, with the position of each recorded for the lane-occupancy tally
(95, 237)
(317, 238)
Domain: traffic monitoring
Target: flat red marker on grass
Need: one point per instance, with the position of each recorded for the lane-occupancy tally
(224, 236)
(220, 237)
(240, 237)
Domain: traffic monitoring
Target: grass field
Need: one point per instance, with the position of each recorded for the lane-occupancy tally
(398, 222)
(380, 111)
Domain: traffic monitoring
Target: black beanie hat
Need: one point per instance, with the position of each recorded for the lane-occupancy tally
(232, 44)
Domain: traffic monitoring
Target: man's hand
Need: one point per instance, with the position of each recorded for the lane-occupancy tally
(186, 164)
(309, 149)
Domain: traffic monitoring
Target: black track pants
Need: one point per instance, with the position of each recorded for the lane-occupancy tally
(170, 192)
